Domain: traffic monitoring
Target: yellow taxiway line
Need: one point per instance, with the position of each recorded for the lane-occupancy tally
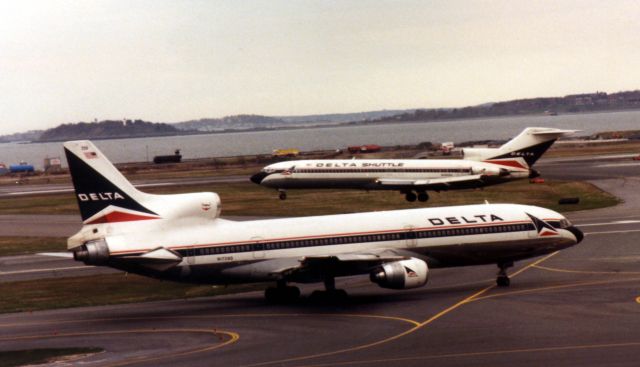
(405, 333)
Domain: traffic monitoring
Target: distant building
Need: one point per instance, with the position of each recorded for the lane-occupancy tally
(52, 165)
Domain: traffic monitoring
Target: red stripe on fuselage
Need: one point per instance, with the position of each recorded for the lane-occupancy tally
(186, 247)
(548, 233)
(115, 217)
(508, 163)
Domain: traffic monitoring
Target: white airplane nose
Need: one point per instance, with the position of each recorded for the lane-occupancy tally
(576, 232)
(258, 177)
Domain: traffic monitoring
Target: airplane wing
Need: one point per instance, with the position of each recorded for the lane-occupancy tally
(312, 268)
(359, 259)
(434, 184)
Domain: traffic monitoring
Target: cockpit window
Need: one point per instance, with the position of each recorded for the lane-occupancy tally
(560, 224)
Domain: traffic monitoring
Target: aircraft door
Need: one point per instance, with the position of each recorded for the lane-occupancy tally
(533, 233)
(288, 172)
(411, 239)
(258, 247)
(191, 256)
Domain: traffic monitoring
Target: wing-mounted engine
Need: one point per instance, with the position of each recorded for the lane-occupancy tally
(403, 274)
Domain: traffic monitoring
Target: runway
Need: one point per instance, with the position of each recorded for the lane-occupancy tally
(576, 307)
(30, 190)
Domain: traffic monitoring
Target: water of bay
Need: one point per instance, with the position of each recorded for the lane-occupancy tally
(261, 142)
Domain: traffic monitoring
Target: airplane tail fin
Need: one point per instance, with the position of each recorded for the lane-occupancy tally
(522, 151)
(104, 195)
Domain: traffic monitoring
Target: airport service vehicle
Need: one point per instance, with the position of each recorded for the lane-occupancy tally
(181, 237)
(413, 177)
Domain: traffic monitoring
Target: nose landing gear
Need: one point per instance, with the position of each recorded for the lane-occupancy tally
(502, 280)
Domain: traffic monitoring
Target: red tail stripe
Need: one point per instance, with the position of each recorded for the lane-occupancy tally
(509, 163)
(115, 217)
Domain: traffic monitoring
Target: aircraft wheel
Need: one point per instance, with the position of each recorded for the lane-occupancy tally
(423, 196)
(503, 281)
(292, 293)
(271, 294)
(281, 294)
(411, 197)
(340, 295)
(503, 278)
(282, 195)
(331, 296)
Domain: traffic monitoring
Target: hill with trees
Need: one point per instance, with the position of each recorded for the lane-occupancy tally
(576, 103)
(108, 130)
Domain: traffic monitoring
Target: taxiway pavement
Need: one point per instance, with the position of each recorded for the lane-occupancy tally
(579, 306)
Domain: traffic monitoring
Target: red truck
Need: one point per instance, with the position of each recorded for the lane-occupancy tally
(369, 148)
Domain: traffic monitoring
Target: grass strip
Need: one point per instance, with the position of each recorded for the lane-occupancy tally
(43, 294)
(248, 199)
(40, 356)
(10, 246)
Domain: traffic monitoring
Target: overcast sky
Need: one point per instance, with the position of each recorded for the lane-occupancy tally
(170, 61)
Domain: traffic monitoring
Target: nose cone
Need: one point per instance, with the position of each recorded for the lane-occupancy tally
(576, 232)
(258, 177)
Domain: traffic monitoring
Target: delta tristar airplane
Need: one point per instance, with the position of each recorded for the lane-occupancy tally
(181, 237)
(413, 177)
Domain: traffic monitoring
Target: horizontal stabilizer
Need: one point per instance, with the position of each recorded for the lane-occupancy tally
(552, 131)
(66, 255)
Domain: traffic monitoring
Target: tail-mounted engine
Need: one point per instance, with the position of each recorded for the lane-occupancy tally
(204, 205)
(403, 274)
(490, 171)
(479, 154)
(93, 252)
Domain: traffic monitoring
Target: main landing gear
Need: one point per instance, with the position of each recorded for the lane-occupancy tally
(330, 293)
(422, 196)
(502, 280)
(282, 293)
(282, 194)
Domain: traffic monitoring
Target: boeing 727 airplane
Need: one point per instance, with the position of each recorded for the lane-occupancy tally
(181, 237)
(413, 177)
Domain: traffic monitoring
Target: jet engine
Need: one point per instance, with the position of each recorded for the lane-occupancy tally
(490, 171)
(202, 205)
(92, 252)
(403, 274)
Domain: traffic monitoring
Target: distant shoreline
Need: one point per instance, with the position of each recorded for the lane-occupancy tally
(311, 126)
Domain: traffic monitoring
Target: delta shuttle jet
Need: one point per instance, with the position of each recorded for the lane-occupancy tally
(413, 177)
(182, 237)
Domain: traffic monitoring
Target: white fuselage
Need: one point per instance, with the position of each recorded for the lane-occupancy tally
(219, 251)
(379, 174)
